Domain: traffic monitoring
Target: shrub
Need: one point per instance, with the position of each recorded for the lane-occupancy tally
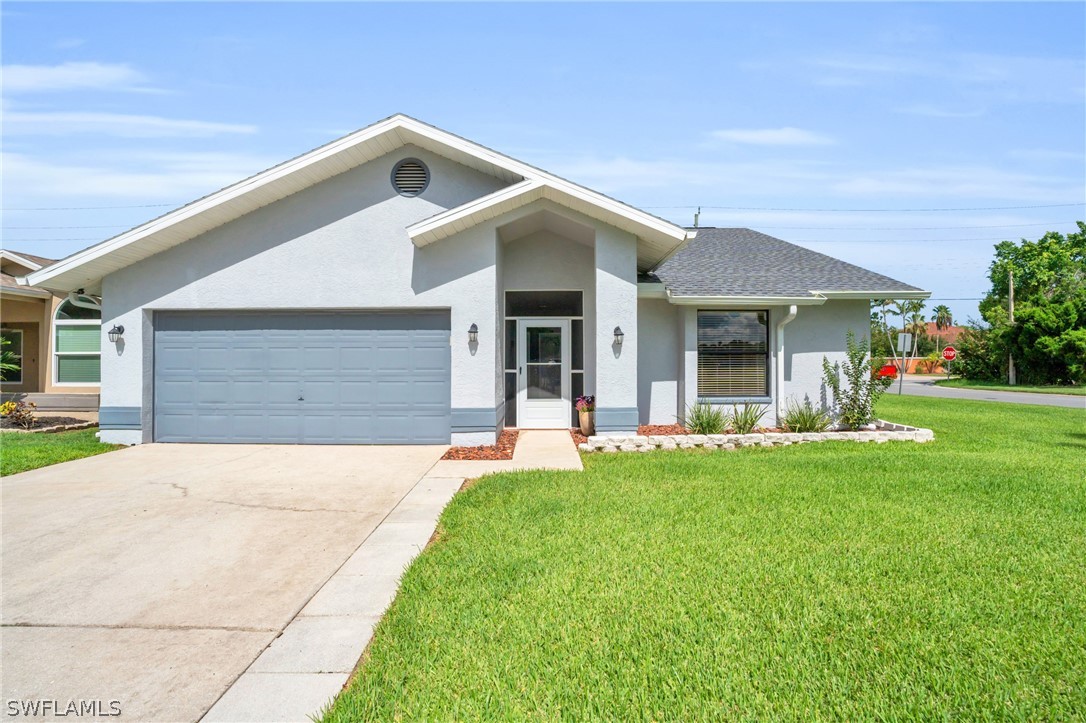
(746, 420)
(805, 418)
(585, 403)
(854, 406)
(704, 418)
(930, 363)
(19, 413)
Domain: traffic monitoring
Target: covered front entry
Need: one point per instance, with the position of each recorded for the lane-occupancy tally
(301, 377)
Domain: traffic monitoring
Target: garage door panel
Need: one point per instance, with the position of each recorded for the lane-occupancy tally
(286, 377)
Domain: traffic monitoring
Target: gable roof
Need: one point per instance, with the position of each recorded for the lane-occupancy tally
(85, 268)
(10, 282)
(744, 265)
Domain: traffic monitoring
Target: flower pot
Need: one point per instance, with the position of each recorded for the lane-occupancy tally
(588, 423)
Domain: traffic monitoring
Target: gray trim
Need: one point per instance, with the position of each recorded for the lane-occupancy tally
(476, 419)
(616, 419)
(120, 418)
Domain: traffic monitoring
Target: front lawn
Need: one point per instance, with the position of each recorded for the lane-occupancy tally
(825, 581)
(1001, 387)
(22, 452)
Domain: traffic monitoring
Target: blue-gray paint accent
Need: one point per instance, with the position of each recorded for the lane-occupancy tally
(616, 419)
(119, 418)
(476, 419)
(322, 377)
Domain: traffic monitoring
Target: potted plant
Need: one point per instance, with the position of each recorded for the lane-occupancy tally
(586, 413)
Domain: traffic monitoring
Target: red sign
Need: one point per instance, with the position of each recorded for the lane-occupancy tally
(950, 353)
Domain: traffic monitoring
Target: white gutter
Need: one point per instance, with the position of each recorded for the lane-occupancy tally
(779, 395)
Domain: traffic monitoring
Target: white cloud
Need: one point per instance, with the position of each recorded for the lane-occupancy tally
(773, 137)
(73, 76)
(115, 124)
(983, 76)
(932, 111)
(153, 176)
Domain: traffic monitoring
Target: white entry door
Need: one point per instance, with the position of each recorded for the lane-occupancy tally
(543, 374)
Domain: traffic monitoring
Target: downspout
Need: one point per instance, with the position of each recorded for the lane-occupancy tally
(779, 391)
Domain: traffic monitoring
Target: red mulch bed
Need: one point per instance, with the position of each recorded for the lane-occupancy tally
(578, 438)
(507, 440)
(646, 429)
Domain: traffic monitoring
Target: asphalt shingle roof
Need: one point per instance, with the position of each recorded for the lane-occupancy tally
(742, 262)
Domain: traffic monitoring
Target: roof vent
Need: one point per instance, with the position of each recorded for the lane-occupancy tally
(410, 177)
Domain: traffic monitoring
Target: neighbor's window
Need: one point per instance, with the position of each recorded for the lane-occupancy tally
(14, 355)
(733, 353)
(77, 345)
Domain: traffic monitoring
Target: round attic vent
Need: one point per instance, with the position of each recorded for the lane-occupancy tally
(410, 177)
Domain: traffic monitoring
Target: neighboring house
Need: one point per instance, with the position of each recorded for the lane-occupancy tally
(405, 285)
(946, 335)
(56, 341)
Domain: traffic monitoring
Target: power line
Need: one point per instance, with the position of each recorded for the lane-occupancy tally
(869, 210)
(891, 240)
(902, 228)
(90, 208)
(54, 228)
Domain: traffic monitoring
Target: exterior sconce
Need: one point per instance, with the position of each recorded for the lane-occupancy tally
(116, 333)
(473, 334)
(618, 335)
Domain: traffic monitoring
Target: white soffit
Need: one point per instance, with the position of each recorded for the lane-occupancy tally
(656, 239)
(86, 268)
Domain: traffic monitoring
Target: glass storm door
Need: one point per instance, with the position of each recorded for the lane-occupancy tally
(543, 374)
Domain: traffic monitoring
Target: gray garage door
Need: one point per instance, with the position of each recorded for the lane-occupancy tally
(301, 377)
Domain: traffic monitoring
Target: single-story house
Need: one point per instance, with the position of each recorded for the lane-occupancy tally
(406, 285)
(55, 340)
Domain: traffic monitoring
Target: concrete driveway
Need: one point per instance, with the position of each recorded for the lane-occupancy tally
(155, 575)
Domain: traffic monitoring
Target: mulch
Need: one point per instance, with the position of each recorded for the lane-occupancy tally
(649, 429)
(507, 440)
(42, 422)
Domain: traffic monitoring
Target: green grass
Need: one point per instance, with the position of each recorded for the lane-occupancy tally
(1000, 386)
(22, 452)
(825, 581)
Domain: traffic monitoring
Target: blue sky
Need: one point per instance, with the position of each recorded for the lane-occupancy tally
(726, 106)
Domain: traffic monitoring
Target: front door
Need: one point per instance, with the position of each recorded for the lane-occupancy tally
(543, 374)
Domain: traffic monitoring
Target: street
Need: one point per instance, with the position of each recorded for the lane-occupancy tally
(924, 386)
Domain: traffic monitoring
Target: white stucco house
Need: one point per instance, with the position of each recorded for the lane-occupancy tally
(405, 285)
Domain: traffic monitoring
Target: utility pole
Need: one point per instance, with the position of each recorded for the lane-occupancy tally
(1010, 313)
(697, 214)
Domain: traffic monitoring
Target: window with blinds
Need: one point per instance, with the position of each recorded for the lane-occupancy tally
(733, 354)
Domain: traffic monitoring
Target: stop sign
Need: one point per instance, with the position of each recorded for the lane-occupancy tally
(950, 353)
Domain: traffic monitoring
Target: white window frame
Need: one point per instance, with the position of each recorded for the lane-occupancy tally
(22, 352)
(56, 366)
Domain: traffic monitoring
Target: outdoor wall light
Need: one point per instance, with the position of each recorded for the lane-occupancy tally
(116, 333)
(473, 334)
(618, 335)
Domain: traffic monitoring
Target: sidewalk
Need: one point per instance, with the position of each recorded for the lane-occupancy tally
(536, 449)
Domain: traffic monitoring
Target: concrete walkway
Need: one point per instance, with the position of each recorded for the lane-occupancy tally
(305, 668)
(536, 449)
(925, 387)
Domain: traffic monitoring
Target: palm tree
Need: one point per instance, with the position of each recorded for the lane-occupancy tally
(943, 320)
(917, 327)
(9, 360)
